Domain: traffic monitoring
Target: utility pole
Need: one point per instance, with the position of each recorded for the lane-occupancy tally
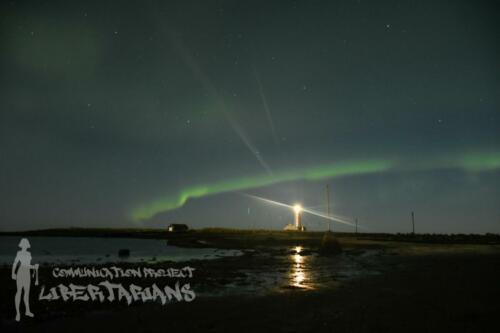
(413, 222)
(356, 225)
(328, 205)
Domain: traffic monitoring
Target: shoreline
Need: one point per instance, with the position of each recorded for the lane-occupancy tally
(408, 288)
(285, 285)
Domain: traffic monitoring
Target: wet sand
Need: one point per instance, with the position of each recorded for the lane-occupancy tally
(374, 286)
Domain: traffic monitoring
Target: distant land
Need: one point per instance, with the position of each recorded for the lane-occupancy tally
(248, 238)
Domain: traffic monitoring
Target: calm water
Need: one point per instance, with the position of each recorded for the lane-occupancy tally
(66, 250)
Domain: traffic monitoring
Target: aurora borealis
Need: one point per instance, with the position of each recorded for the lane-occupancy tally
(150, 113)
(468, 163)
(316, 173)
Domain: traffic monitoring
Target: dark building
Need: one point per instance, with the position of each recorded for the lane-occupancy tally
(177, 228)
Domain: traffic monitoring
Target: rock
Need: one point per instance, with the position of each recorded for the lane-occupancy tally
(124, 253)
(329, 244)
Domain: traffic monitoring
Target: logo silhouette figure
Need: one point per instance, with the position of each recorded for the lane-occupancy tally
(22, 275)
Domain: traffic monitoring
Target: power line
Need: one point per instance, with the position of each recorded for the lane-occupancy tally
(328, 205)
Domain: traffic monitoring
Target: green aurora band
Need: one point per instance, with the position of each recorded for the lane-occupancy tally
(476, 162)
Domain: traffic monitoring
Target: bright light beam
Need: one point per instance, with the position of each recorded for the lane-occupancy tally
(266, 107)
(333, 217)
(246, 140)
(312, 212)
(207, 84)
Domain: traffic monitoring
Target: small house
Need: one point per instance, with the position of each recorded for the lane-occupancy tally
(177, 228)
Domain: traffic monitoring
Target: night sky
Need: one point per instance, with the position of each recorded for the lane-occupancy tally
(141, 114)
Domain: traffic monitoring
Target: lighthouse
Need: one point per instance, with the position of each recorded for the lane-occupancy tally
(297, 225)
(298, 210)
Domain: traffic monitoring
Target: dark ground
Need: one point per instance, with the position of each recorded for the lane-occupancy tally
(419, 288)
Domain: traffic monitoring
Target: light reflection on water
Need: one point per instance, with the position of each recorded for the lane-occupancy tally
(299, 274)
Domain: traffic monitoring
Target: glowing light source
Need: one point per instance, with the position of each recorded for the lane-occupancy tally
(297, 208)
(332, 217)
